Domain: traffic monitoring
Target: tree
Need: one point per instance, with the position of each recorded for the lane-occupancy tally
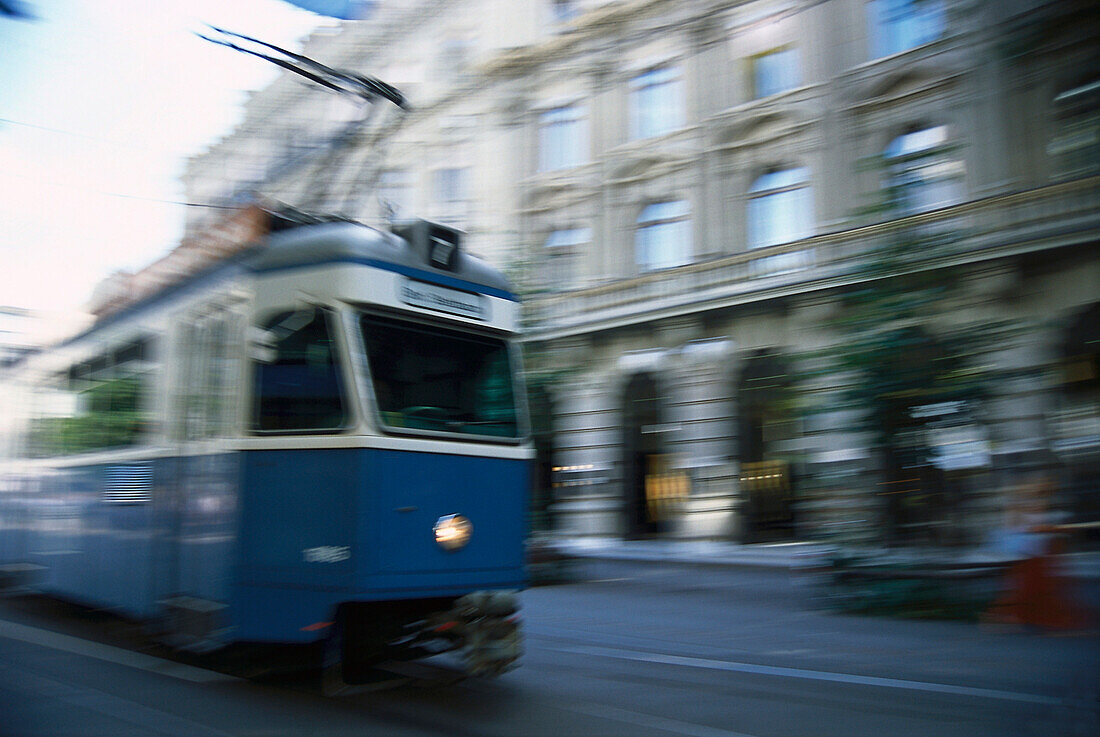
(907, 375)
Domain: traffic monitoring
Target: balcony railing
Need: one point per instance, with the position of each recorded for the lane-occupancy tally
(1000, 226)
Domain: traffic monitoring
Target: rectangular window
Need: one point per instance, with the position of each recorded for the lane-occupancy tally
(450, 195)
(206, 386)
(1075, 144)
(564, 11)
(657, 105)
(450, 185)
(563, 251)
(395, 194)
(776, 71)
(428, 378)
(899, 25)
(663, 238)
(298, 384)
(563, 139)
(96, 405)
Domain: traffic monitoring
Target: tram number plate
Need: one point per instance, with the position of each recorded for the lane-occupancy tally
(443, 299)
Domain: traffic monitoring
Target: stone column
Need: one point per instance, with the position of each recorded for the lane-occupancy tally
(587, 498)
(707, 424)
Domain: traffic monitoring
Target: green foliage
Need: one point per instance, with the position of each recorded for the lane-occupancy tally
(111, 418)
(861, 585)
(894, 351)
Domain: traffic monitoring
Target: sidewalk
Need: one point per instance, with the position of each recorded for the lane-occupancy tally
(693, 552)
(789, 555)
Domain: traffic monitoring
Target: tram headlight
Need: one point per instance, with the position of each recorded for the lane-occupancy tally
(453, 531)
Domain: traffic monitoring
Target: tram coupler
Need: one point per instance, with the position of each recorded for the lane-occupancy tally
(484, 627)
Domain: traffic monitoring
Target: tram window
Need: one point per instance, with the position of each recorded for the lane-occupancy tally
(428, 378)
(97, 405)
(299, 388)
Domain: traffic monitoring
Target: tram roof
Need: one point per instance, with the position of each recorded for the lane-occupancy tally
(350, 242)
(315, 244)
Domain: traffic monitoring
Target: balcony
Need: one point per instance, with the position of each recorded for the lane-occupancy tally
(1001, 226)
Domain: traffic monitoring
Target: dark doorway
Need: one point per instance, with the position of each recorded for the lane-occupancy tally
(542, 436)
(913, 399)
(1079, 415)
(641, 455)
(765, 430)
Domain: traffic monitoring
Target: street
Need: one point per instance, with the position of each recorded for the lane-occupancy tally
(637, 649)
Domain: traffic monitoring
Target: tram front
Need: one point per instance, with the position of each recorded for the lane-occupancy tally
(384, 487)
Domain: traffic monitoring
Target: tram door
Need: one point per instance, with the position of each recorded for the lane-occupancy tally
(198, 501)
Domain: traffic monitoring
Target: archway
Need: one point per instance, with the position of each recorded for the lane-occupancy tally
(641, 455)
(541, 409)
(1076, 440)
(913, 401)
(766, 429)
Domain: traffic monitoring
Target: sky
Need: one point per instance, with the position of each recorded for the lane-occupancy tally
(101, 102)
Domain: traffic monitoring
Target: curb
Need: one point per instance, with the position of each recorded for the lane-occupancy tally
(799, 556)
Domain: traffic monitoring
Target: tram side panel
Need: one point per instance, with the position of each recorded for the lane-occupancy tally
(206, 526)
(90, 547)
(120, 536)
(297, 554)
(13, 522)
(60, 543)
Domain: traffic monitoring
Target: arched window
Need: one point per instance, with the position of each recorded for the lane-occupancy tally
(921, 173)
(563, 250)
(780, 207)
(899, 25)
(663, 238)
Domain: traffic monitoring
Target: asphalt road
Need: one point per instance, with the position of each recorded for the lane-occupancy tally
(634, 649)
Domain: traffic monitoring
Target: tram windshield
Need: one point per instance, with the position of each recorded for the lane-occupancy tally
(431, 378)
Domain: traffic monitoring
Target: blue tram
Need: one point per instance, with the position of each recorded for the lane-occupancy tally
(322, 440)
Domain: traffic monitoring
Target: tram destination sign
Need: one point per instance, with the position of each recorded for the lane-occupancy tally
(443, 299)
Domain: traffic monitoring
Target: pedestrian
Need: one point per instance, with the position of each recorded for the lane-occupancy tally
(1036, 596)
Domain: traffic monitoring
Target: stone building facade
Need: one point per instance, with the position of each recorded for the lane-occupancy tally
(687, 190)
